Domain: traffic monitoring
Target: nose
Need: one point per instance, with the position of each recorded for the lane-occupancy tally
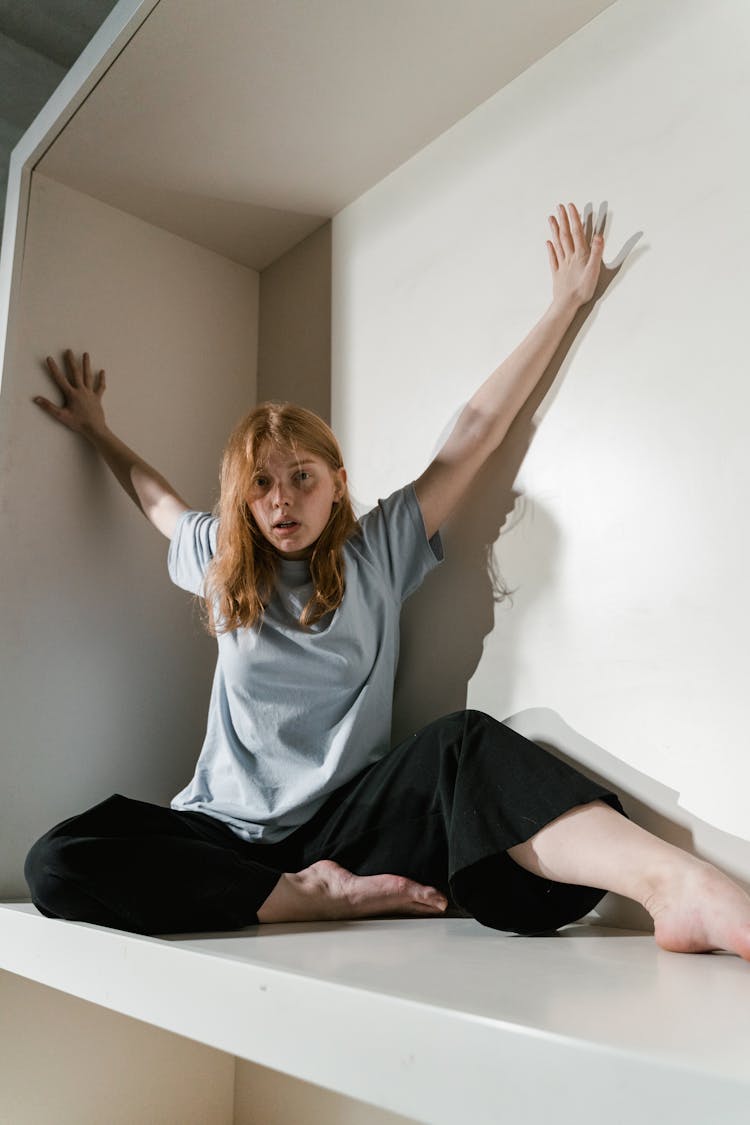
(279, 495)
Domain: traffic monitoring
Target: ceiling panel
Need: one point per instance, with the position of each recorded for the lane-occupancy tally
(245, 125)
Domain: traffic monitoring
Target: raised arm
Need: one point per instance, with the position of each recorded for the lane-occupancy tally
(487, 417)
(83, 413)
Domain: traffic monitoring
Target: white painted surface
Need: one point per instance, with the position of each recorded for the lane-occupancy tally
(623, 527)
(87, 71)
(442, 1020)
(243, 124)
(104, 670)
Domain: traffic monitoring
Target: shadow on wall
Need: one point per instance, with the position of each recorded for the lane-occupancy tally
(444, 626)
(647, 802)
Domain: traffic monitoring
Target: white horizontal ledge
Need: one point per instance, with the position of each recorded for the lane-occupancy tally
(440, 1019)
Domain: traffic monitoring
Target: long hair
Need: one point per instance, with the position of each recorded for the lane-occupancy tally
(241, 577)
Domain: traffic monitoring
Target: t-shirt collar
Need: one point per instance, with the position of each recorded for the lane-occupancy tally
(294, 571)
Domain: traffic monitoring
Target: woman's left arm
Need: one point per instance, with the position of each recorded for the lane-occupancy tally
(488, 415)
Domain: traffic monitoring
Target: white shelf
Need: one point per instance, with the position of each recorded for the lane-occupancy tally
(442, 1020)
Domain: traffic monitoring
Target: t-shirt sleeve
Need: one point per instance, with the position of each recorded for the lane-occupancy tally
(191, 549)
(394, 535)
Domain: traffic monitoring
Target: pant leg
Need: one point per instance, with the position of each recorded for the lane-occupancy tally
(443, 808)
(146, 869)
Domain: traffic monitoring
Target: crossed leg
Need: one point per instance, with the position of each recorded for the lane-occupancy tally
(695, 907)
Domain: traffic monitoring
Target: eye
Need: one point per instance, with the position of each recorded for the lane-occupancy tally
(303, 474)
(260, 482)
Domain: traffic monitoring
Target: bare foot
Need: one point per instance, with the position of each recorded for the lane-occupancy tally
(327, 891)
(697, 909)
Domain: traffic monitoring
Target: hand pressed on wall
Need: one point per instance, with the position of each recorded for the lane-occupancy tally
(574, 261)
(82, 409)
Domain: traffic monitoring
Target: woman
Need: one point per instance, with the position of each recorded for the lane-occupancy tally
(299, 808)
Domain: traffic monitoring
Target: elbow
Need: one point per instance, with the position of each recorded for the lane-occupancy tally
(475, 431)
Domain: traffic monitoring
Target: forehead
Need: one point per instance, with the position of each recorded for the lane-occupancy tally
(273, 459)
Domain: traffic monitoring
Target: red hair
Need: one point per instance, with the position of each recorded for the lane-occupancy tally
(241, 577)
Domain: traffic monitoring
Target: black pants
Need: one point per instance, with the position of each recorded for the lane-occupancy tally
(442, 808)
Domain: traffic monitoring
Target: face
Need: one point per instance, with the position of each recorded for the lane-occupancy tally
(297, 491)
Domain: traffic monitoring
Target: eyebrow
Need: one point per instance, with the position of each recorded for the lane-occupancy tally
(295, 464)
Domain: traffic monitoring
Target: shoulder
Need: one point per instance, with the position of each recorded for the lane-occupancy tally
(191, 548)
(392, 535)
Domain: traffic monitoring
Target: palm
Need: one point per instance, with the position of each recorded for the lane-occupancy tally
(575, 262)
(81, 410)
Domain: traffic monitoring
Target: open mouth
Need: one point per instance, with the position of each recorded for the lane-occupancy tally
(287, 525)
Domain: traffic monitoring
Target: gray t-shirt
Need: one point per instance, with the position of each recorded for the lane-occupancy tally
(296, 713)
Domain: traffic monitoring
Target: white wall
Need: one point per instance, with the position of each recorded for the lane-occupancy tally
(294, 328)
(623, 527)
(104, 671)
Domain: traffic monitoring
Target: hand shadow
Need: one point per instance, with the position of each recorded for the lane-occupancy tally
(445, 623)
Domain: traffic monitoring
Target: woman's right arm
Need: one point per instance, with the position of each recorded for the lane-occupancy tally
(82, 412)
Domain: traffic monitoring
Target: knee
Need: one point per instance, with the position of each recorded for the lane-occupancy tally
(45, 871)
(34, 864)
(466, 718)
(500, 894)
(463, 735)
(460, 733)
(480, 718)
(477, 727)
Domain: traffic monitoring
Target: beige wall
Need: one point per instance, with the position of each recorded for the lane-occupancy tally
(266, 1097)
(294, 346)
(104, 673)
(112, 1069)
(126, 1072)
(617, 513)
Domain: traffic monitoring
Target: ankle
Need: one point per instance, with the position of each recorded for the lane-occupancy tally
(289, 901)
(660, 884)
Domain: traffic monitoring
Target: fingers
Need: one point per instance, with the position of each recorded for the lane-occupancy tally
(81, 393)
(48, 407)
(96, 384)
(569, 235)
(562, 240)
(593, 265)
(571, 246)
(77, 376)
(576, 227)
(86, 370)
(556, 243)
(566, 239)
(73, 368)
(57, 375)
(597, 250)
(575, 256)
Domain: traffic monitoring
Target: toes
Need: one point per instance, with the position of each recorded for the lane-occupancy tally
(368, 895)
(417, 892)
(742, 945)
